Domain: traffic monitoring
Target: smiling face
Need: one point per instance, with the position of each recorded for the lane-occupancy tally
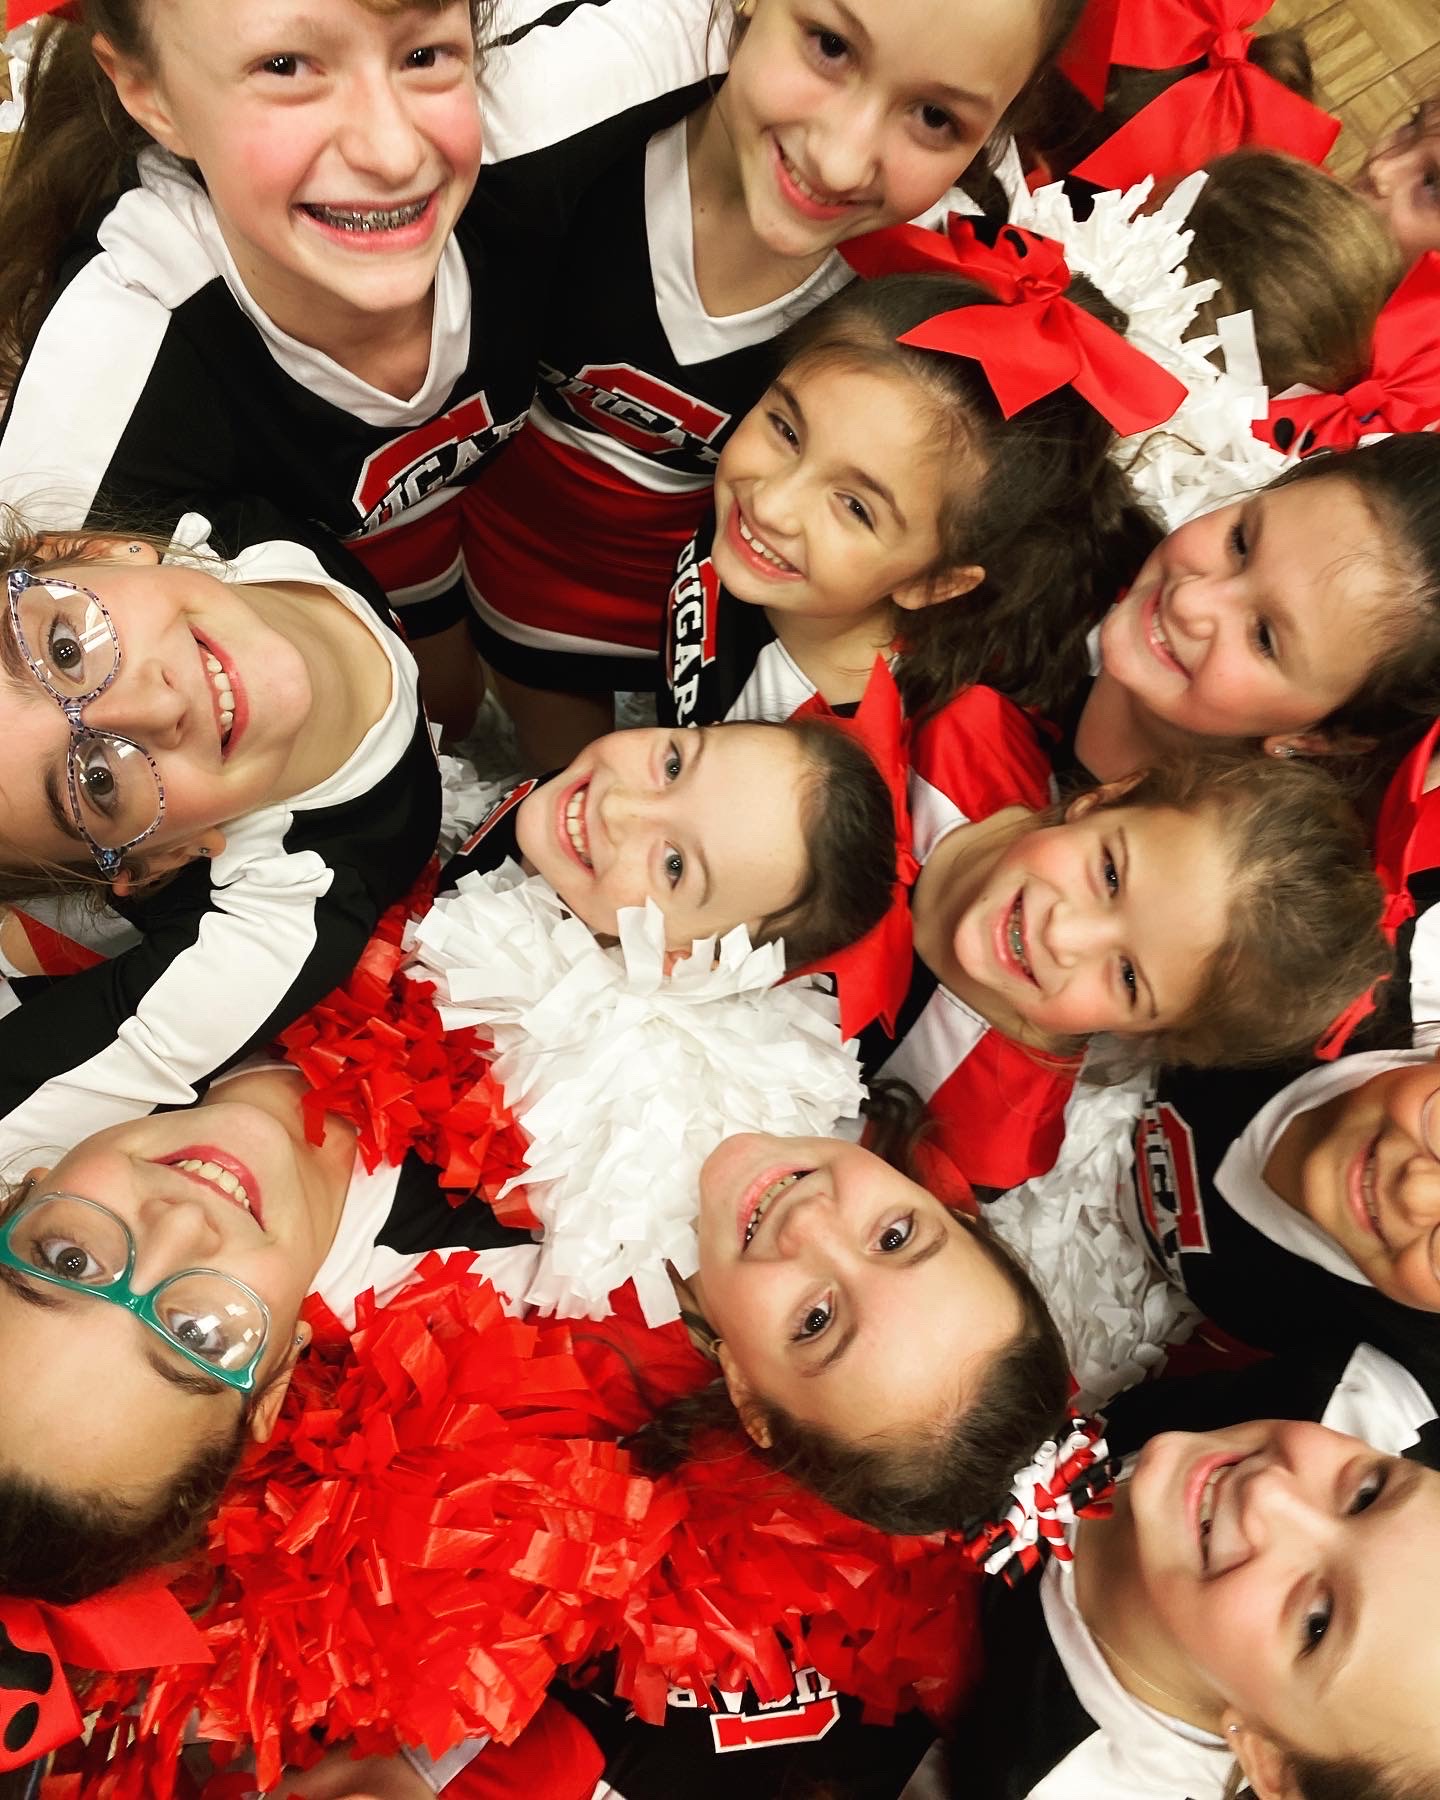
(1271, 1576)
(1363, 1167)
(1401, 182)
(828, 496)
(846, 117)
(708, 824)
(337, 145)
(816, 1261)
(226, 1186)
(214, 692)
(1260, 618)
(1104, 922)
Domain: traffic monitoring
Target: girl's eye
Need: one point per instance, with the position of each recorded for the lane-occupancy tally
(813, 1321)
(783, 430)
(829, 46)
(857, 511)
(1111, 874)
(1238, 541)
(1368, 1492)
(674, 763)
(63, 649)
(94, 776)
(425, 57)
(284, 66)
(1129, 980)
(202, 1336)
(674, 866)
(1314, 1625)
(64, 1257)
(897, 1235)
(1264, 640)
(937, 122)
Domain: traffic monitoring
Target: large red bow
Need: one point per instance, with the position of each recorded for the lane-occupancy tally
(1230, 102)
(138, 1626)
(1401, 391)
(1090, 49)
(1407, 841)
(21, 12)
(1039, 340)
(872, 977)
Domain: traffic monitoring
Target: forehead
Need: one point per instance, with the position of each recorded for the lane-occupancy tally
(1391, 1679)
(1322, 550)
(1178, 879)
(862, 415)
(985, 49)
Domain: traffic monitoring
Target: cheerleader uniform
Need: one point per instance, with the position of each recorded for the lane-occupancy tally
(1050, 1720)
(721, 659)
(1196, 1198)
(232, 950)
(157, 384)
(998, 1106)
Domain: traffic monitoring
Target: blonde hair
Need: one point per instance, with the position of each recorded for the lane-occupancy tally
(1303, 938)
(1307, 257)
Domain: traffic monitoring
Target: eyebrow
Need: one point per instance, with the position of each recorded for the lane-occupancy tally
(699, 854)
(848, 1336)
(59, 814)
(12, 657)
(1123, 845)
(857, 477)
(857, 30)
(52, 1299)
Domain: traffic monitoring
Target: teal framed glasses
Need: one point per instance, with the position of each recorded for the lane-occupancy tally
(210, 1319)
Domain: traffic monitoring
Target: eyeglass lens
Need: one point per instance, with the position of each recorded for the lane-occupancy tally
(80, 1242)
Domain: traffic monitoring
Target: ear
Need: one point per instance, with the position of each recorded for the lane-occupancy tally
(138, 90)
(1106, 794)
(939, 585)
(265, 1413)
(35, 1177)
(1266, 1765)
(1317, 743)
(167, 862)
(742, 1397)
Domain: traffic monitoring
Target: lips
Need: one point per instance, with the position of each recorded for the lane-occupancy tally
(227, 695)
(221, 1173)
(803, 196)
(1362, 1189)
(758, 1198)
(1203, 1494)
(752, 550)
(572, 823)
(1012, 948)
(1156, 638)
(374, 226)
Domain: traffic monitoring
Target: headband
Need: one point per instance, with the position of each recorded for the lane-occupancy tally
(1407, 841)
(1230, 102)
(1037, 340)
(872, 976)
(1069, 1478)
(1401, 392)
(138, 1626)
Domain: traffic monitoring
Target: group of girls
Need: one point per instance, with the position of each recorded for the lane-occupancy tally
(629, 345)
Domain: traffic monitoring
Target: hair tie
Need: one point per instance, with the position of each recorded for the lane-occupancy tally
(872, 976)
(1230, 102)
(1070, 1478)
(1038, 340)
(138, 1626)
(1407, 840)
(1399, 392)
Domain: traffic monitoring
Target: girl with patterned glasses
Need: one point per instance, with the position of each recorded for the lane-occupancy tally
(251, 732)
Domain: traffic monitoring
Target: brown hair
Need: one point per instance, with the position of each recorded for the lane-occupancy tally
(1307, 257)
(1303, 937)
(72, 151)
(942, 1480)
(849, 824)
(1035, 500)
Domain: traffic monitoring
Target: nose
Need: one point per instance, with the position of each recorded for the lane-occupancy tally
(1418, 1191)
(1278, 1509)
(1075, 933)
(143, 702)
(172, 1231)
(378, 135)
(774, 502)
(626, 810)
(1196, 604)
(809, 1224)
(844, 144)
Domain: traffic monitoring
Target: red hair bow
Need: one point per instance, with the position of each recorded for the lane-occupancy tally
(1229, 103)
(1401, 391)
(1090, 49)
(139, 1626)
(1070, 1477)
(872, 977)
(1041, 340)
(21, 12)
(1407, 841)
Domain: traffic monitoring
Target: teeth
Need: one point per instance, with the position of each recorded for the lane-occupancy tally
(220, 681)
(1207, 1507)
(763, 549)
(775, 1187)
(575, 825)
(221, 1178)
(345, 218)
(1017, 937)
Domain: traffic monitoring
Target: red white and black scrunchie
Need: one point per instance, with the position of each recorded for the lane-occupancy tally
(1070, 1477)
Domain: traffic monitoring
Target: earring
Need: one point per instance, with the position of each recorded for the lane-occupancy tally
(1283, 750)
(1232, 1729)
(743, 8)
(135, 549)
